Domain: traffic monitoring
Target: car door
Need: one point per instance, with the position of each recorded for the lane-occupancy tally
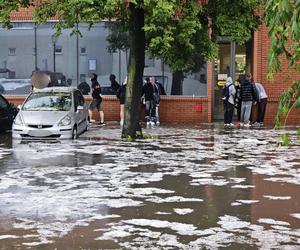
(6, 116)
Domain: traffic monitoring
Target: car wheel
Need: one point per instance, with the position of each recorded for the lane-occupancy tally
(74, 133)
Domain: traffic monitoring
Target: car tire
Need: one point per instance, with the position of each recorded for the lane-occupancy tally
(74, 133)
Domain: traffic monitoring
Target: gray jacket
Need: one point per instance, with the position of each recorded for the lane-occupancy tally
(232, 90)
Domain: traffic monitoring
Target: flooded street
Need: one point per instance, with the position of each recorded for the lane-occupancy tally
(187, 188)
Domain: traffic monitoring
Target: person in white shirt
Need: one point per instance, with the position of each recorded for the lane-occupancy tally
(261, 104)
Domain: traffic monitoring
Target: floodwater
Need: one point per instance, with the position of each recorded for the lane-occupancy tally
(187, 188)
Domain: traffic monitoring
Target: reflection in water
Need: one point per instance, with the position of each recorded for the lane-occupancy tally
(186, 189)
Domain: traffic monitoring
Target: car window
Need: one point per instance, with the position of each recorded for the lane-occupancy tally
(3, 103)
(48, 101)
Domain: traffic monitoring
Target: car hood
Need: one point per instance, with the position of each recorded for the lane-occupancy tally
(42, 117)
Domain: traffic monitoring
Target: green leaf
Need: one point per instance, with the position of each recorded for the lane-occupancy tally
(285, 140)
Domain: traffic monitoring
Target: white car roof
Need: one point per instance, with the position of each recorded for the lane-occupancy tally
(56, 89)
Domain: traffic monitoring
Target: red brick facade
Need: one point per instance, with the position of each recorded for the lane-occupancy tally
(184, 110)
(281, 82)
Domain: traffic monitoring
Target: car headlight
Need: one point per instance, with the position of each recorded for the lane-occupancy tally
(65, 121)
(18, 120)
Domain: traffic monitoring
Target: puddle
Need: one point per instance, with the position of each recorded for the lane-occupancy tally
(188, 188)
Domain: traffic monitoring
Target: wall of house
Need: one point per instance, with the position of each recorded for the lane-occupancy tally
(281, 82)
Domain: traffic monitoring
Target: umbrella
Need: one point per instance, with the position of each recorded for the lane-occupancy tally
(40, 80)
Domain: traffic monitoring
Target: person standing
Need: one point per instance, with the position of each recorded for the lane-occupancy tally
(147, 91)
(84, 88)
(238, 100)
(121, 94)
(160, 88)
(97, 100)
(261, 104)
(228, 100)
(114, 85)
(249, 97)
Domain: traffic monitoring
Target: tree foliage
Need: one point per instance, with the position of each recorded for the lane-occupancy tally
(283, 20)
(181, 32)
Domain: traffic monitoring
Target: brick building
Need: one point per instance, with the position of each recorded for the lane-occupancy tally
(233, 60)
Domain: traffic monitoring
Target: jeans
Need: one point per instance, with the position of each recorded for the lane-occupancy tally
(150, 111)
(246, 111)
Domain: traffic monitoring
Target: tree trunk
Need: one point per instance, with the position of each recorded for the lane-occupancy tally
(132, 128)
(177, 82)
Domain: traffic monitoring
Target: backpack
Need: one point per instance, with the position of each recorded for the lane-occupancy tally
(225, 92)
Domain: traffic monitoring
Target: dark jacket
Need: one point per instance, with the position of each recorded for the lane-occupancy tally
(160, 88)
(148, 90)
(84, 88)
(248, 91)
(96, 94)
(114, 86)
(121, 93)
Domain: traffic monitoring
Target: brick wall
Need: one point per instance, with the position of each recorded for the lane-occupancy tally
(173, 109)
(281, 81)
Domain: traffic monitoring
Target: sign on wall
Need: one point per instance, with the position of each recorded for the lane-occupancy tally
(92, 64)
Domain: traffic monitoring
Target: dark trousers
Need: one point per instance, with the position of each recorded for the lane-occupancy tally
(228, 112)
(150, 110)
(238, 110)
(261, 109)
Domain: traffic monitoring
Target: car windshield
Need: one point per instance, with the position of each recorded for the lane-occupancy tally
(48, 101)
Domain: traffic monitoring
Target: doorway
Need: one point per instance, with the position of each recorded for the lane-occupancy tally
(233, 60)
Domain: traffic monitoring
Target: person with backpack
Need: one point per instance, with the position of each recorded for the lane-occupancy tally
(228, 97)
(249, 97)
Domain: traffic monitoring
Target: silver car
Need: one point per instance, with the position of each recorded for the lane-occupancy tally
(58, 112)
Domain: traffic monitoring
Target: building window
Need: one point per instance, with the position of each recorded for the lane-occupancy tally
(11, 51)
(58, 49)
(17, 25)
(149, 61)
(83, 51)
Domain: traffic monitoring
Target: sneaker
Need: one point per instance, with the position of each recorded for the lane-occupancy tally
(101, 123)
(241, 124)
(231, 125)
(157, 123)
(92, 121)
(261, 124)
(247, 125)
(147, 124)
(152, 124)
(226, 125)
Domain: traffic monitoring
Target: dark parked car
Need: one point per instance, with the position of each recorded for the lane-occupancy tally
(7, 114)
